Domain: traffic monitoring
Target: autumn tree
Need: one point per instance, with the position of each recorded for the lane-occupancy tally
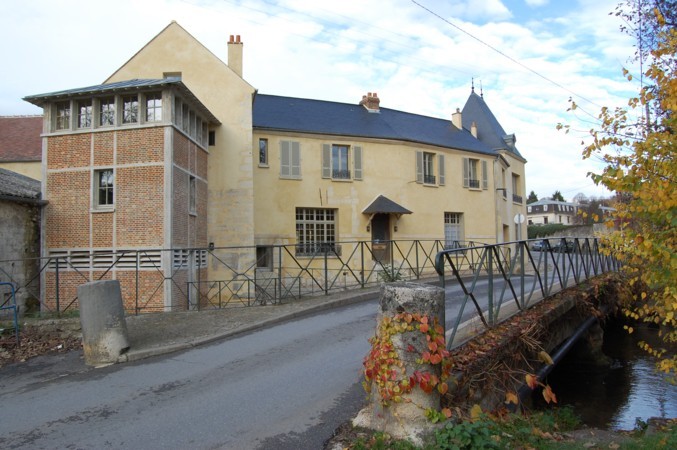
(637, 145)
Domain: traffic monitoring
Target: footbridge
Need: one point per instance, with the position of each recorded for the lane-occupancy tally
(519, 307)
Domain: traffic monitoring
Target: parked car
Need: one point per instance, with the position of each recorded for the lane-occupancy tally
(563, 246)
(538, 246)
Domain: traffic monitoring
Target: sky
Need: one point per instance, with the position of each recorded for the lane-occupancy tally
(527, 58)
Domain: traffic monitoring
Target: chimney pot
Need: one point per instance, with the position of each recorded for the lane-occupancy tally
(235, 54)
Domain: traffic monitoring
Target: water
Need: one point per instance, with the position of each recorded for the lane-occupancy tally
(616, 397)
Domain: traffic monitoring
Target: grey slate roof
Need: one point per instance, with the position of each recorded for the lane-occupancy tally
(383, 204)
(123, 86)
(15, 185)
(489, 130)
(278, 113)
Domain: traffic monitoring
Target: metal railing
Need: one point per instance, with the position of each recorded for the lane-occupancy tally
(208, 278)
(517, 273)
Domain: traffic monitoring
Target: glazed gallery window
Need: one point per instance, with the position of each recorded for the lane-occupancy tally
(107, 111)
(154, 107)
(130, 109)
(103, 188)
(263, 152)
(315, 231)
(84, 114)
(63, 116)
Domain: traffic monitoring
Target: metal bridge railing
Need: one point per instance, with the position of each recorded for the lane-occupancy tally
(520, 273)
(210, 278)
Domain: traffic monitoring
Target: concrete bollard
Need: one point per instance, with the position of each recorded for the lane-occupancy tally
(102, 317)
(405, 418)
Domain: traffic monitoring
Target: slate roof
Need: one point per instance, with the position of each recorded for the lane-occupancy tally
(123, 86)
(489, 130)
(383, 204)
(20, 138)
(15, 185)
(302, 115)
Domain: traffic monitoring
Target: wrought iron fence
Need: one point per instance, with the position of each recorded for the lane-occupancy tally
(207, 278)
(517, 273)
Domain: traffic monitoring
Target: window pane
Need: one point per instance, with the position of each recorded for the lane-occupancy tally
(263, 151)
(107, 112)
(105, 187)
(130, 109)
(154, 107)
(84, 113)
(63, 115)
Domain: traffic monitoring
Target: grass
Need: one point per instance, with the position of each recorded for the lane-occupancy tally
(542, 430)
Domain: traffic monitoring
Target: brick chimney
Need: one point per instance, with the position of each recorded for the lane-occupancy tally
(371, 102)
(235, 54)
(457, 119)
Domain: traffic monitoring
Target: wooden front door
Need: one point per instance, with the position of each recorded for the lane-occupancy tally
(380, 237)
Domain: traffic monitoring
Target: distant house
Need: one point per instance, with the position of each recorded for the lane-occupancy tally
(176, 151)
(21, 145)
(548, 211)
(20, 205)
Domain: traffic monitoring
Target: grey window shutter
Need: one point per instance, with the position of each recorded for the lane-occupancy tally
(295, 159)
(326, 161)
(440, 162)
(466, 172)
(419, 167)
(485, 182)
(357, 162)
(285, 158)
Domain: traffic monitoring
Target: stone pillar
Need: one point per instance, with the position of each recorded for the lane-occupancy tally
(102, 317)
(405, 418)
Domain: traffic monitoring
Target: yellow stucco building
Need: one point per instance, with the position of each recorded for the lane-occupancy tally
(318, 177)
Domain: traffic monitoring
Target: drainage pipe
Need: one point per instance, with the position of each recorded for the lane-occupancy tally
(525, 390)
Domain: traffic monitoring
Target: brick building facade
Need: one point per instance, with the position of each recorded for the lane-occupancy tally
(125, 169)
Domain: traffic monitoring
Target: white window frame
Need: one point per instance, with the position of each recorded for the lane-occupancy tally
(453, 230)
(316, 231)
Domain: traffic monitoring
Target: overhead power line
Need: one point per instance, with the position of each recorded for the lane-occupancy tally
(524, 66)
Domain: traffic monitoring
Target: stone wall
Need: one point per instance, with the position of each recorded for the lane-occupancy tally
(19, 248)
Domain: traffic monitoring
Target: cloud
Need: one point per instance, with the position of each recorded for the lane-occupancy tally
(536, 3)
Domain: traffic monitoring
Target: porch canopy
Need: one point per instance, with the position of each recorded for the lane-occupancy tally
(383, 205)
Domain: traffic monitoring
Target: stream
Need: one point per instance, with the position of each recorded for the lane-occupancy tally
(622, 396)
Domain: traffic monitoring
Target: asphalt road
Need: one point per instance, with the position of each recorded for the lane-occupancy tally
(285, 387)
